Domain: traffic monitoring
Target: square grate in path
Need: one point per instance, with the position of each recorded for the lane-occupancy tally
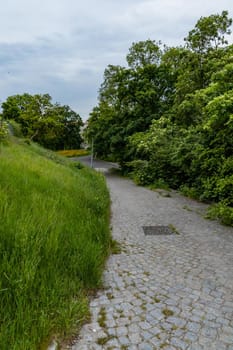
(157, 230)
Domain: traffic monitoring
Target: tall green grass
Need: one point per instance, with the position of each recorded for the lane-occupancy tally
(54, 238)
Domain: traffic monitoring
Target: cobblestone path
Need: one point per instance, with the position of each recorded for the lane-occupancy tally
(170, 292)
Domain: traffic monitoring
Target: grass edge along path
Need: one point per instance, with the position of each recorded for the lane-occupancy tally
(54, 240)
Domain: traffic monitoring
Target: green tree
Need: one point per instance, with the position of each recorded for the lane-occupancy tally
(144, 53)
(209, 33)
(129, 99)
(51, 125)
(203, 42)
(70, 137)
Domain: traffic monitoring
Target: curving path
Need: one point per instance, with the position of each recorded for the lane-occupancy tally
(170, 292)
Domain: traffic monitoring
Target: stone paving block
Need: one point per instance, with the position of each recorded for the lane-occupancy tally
(180, 344)
(157, 314)
(228, 330)
(212, 324)
(173, 308)
(228, 316)
(171, 302)
(193, 327)
(205, 342)
(195, 347)
(167, 326)
(199, 312)
(124, 340)
(135, 338)
(146, 335)
(228, 305)
(150, 307)
(191, 337)
(144, 325)
(111, 323)
(112, 332)
(223, 321)
(194, 318)
(220, 346)
(121, 331)
(145, 346)
(179, 333)
(163, 336)
(156, 342)
(226, 338)
(209, 332)
(210, 317)
(179, 322)
(133, 328)
(122, 321)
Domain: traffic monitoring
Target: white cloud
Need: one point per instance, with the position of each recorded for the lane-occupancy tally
(63, 46)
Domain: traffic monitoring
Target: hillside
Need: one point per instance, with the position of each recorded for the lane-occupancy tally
(54, 238)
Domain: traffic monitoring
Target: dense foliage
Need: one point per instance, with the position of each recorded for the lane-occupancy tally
(51, 125)
(168, 116)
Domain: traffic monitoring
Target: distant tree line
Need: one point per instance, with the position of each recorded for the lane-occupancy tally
(52, 125)
(168, 116)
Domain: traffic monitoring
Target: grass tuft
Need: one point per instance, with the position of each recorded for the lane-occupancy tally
(167, 312)
(102, 317)
(115, 247)
(174, 229)
(104, 340)
(156, 300)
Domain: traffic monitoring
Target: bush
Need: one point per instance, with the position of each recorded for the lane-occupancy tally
(189, 192)
(140, 171)
(222, 212)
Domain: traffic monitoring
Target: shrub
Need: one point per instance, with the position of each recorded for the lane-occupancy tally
(222, 212)
(141, 172)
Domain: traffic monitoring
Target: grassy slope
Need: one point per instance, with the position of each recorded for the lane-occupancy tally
(54, 238)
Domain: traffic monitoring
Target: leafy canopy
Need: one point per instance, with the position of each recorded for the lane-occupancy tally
(51, 125)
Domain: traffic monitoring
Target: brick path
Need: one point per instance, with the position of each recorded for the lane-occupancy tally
(170, 292)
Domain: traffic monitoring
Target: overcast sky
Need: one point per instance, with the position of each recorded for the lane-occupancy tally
(62, 47)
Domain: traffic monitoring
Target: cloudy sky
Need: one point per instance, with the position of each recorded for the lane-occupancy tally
(62, 47)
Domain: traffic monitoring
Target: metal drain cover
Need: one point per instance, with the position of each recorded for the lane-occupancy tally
(157, 230)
